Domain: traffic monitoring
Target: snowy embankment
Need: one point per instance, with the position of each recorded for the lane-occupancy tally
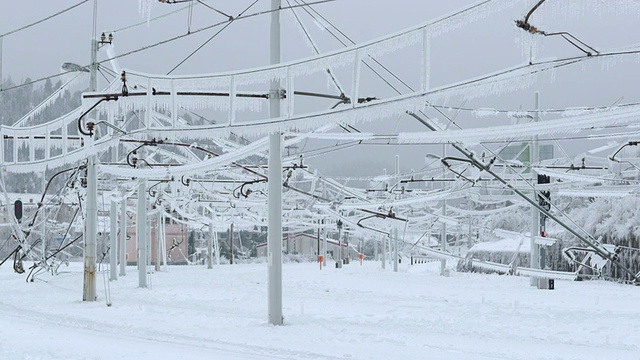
(350, 313)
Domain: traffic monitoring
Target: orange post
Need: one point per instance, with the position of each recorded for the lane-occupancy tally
(320, 260)
(360, 256)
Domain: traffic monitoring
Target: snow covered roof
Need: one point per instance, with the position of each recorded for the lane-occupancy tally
(504, 245)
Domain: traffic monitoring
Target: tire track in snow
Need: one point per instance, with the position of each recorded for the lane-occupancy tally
(132, 332)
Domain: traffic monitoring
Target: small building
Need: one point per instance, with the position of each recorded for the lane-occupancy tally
(176, 243)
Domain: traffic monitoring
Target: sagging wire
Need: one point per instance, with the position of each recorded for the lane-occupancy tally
(41, 203)
(588, 239)
(240, 190)
(289, 174)
(374, 214)
(571, 39)
(155, 142)
(460, 174)
(59, 250)
(108, 97)
(593, 243)
(570, 255)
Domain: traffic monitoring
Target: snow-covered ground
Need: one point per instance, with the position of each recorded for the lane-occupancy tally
(358, 312)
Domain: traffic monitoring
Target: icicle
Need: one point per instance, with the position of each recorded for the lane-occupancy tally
(145, 7)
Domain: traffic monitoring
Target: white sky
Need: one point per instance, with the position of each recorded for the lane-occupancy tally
(484, 46)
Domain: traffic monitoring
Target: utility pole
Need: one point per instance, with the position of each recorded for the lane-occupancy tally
(1, 81)
(90, 232)
(324, 242)
(210, 247)
(158, 238)
(231, 243)
(395, 248)
(141, 233)
(383, 250)
(535, 213)
(375, 250)
(93, 84)
(395, 228)
(91, 228)
(43, 229)
(216, 247)
(123, 237)
(339, 261)
(113, 248)
(443, 236)
(164, 240)
(274, 246)
(346, 242)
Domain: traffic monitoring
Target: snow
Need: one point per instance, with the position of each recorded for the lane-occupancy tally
(504, 245)
(357, 312)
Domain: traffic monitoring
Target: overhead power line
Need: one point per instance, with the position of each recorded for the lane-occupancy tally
(216, 10)
(166, 41)
(44, 19)
(244, 17)
(146, 22)
(231, 20)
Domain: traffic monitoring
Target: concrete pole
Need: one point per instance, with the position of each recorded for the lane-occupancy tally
(535, 213)
(210, 247)
(469, 240)
(318, 241)
(113, 248)
(383, 250)
(158, 239)
(141, 233)
(375, 250)
(1, 62)
(216, 247)
(43, 229)
(395, 249)
(346, 242)
(390, 248)
(91, 230)
(339, 245)
(91, 221)
(324, 242)
(164, 242)
(275, 182)
(123, 237)
(93, 69)
(231, 243)
(443, 236)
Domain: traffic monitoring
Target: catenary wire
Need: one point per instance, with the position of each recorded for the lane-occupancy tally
(231, 21)
(162, 43)
(43, 19)
(315, 47)
(214, 9)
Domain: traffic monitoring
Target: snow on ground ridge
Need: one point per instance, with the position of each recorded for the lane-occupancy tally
(350, 313)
